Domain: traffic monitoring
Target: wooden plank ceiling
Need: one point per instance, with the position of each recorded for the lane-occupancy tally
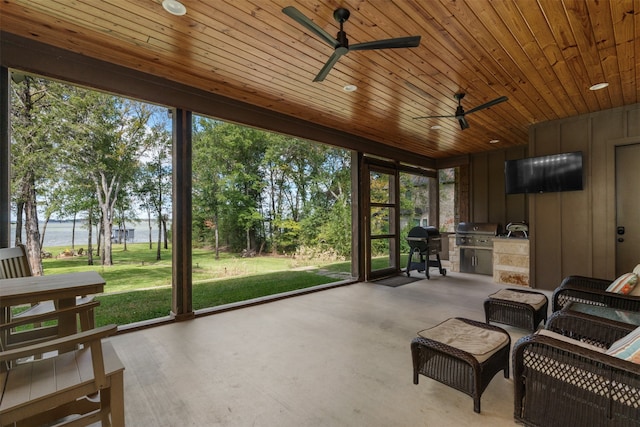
(542, 54)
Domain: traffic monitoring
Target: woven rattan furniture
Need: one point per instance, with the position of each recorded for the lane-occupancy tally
(445, 361)
(517, 307)
(597, 331)
(589, 290)
(561, 383)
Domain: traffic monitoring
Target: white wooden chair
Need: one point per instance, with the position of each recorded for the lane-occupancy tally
(54, 390)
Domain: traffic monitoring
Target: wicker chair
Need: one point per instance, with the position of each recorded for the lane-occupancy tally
(590, 290)
(561, 383)
(600, 332)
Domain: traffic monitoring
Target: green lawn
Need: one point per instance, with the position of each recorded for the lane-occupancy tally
(139, 288)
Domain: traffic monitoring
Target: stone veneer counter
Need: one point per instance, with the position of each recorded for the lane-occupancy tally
(511, 261)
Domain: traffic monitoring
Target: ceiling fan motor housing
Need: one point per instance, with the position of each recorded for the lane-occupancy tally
(343, 41)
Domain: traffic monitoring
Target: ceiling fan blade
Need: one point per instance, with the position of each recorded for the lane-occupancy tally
(328, 65)
(463, 123)
(400, 42)
(297, 16)
(433, 117)
(488, 104)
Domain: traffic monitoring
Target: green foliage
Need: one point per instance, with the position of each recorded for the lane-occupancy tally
(288, 237)
(228, 180)
(258, 188)
(335, 231)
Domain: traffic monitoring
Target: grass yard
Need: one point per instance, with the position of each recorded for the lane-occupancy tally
(139, 288)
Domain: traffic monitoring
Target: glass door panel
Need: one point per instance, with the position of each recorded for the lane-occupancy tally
(382, 225)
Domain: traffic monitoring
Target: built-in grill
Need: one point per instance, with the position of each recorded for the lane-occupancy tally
(475, 242)
(425, 243)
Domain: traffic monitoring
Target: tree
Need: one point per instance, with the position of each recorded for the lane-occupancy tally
(228, 180)
(145, 191)
(294, 172)
(109, 136)
(152, 183)
(35, 131)
(327, 221)
(207, 176)
(252, 186)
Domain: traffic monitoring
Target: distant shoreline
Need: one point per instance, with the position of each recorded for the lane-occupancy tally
(61, 233)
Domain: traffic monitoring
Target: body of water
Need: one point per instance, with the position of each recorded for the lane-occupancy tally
(61, 233)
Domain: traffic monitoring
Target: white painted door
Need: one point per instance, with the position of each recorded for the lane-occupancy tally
(627, 208)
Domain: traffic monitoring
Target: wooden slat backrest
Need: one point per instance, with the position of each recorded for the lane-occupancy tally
(14, 263)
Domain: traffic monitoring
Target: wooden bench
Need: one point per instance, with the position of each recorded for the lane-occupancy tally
(55, 389)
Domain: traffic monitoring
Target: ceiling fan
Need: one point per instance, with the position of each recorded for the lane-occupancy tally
(460, 113)
(341, 43)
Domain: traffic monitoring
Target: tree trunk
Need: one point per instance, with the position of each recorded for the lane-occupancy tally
(31, 226)
(164, 232)
(19, 214)
(107, 231)
(89, 244)
(73, 232)
(150, 229)
(217, 237)
(99, 238)
(44, 230)
(107, 198)
(158, 252)
(124, 226)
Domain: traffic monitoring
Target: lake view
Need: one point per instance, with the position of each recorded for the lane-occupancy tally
(60, 233)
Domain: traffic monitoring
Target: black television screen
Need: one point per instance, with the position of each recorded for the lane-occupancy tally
(545, 174)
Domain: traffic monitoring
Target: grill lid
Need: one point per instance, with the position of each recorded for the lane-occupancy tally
(423, 232)
(477, 228)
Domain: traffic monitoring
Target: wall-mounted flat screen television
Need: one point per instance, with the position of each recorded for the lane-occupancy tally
(545, 174)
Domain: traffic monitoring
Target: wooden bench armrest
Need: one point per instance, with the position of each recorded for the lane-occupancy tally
(38, 318)
(54, 344)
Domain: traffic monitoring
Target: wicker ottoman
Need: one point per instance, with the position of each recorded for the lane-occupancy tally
(517, 307)
(463, 354)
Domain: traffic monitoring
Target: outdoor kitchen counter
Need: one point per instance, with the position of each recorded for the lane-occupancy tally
(511, 261)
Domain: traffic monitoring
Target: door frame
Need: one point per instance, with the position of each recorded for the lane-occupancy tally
(390, 169)
(610, 199)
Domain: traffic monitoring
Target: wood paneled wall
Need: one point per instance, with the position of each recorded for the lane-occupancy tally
(489, 203)
(574, 232)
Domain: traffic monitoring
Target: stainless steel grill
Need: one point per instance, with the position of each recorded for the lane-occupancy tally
(425, 243)
(475, 242)
(476, 234)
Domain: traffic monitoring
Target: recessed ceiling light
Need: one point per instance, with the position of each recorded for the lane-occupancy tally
(494, 141)
(436, 127)
(599, 86)
(350, 88)
(174, 7)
